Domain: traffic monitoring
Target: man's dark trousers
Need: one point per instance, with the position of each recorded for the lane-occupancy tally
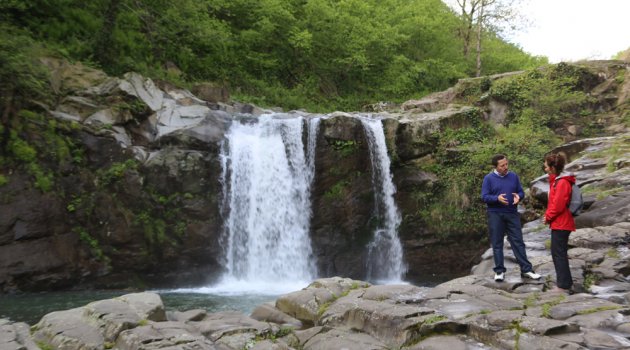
(499, 224)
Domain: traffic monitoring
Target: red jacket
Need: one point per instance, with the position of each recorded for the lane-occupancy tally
(558, 215)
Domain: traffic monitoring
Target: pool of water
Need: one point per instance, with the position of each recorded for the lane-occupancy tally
(30, 307)
(226, 296)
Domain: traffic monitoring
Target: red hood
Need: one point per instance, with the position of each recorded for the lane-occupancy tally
(567, 176)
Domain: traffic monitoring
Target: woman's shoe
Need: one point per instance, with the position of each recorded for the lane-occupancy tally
(559, 290)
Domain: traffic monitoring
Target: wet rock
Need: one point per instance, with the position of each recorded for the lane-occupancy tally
(533, 342)
(269, 345)
(440, 342)
(597, 339)
(570, 308)
(269, 313)
(305, 305)
(185, 316)
(343, 340)
(395, 325)
(15, 336)
(544, 326)
(69, 330)
(605, 212)
(600, 237)
(159, 335)
(404, 293)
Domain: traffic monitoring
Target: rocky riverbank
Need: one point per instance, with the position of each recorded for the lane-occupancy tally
(471, 312)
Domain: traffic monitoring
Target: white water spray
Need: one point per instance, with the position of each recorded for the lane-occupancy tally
(385, 255)
(267, 173)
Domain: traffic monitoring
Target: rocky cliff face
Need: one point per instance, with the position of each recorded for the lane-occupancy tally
(125, 189)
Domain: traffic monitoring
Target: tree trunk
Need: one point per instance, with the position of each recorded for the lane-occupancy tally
(466, 37)
(465, 34)
(479, 30)
(149, 29)
(467, 27)
(105, 40)
(6, 121)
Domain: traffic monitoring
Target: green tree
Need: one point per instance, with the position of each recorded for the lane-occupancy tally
(320, 54)
(22, 79)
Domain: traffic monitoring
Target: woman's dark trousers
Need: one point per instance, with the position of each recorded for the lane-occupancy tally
(559, 248)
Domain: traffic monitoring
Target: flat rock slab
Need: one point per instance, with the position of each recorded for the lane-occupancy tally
(269, 313)
(449, 342)
(528, 341)
(68, 330)
(15, 336)
(220, 324)
(567, 309)
(460, 306)
(337, 339)
(162, 335)
(393, 324)
(404, 293)
(545, 326)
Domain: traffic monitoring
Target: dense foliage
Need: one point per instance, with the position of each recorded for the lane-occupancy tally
(539, 101)
(313, 54)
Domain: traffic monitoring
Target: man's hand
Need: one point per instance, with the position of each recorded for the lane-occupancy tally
(517, 198)
(502, 199)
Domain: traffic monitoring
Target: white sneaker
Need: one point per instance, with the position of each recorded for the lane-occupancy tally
(532, 275)
(498, 277)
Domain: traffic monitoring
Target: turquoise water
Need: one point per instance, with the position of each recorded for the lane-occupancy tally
(229, 295)
(30, 307)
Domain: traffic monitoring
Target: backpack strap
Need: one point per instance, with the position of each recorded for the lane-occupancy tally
(570, 193)
(561, 178)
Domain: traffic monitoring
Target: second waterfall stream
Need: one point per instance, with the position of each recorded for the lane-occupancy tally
(268, 167)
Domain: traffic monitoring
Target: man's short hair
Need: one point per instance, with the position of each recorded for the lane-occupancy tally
(497, 158)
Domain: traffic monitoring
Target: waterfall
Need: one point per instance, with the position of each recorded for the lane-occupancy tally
(267, 174)
(385, 255)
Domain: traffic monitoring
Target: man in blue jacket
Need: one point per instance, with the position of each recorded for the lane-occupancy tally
(501, 191)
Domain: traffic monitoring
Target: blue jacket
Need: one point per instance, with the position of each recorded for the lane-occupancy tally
(493, 185)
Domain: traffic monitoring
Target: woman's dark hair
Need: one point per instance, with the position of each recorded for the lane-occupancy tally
(497, 158)
(556, 160)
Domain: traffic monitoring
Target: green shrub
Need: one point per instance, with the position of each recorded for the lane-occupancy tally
(546, 307)
(116, 171)
(22, 150)
(92, 242)
(590, 279)
(154, 228)
(345, 148)
(543, 98)
(22, 78)
(337, 191)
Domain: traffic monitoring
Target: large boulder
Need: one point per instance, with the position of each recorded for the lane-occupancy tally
(601, 169)
(416, 132)
(342, 197)
(211, 92)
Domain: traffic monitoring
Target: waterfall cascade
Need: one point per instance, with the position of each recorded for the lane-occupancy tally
(385, 255)
(268, 168)
(267, 173)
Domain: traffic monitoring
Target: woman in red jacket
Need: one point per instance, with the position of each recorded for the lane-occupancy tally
(559, 218)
